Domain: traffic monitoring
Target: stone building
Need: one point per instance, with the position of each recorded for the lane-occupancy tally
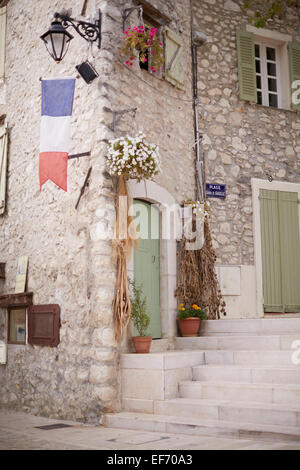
(250, 143)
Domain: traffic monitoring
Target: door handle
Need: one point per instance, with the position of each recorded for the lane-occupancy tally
(153, 258)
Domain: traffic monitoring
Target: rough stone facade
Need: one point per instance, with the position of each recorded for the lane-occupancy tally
(240, 140)
(69, 250)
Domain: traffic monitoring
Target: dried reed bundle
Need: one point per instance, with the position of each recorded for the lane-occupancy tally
(121, 302)
(121, 252)
(188, 283)
(197, 279)
(210, 293)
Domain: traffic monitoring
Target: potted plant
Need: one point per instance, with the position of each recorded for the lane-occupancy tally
(146, 43)
(141, 319)
(189, 319)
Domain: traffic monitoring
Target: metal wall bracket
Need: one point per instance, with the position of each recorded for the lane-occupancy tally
(77, 155)
(118, 114)
(89, 31)
(127, 12)
(85, 184)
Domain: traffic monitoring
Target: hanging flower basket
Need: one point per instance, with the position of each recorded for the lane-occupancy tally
(143, 43)
(132, 157)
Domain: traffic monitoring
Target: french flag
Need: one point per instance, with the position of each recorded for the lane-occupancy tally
(57, 105)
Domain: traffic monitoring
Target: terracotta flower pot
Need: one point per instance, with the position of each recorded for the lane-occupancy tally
(189, 326)
(142, 344)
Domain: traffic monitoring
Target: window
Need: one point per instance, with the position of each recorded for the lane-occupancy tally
(174, 71)
(17, 326)
(148, 24)
(267, 65)
(267, 69)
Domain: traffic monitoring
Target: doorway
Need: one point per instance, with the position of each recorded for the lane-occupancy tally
(280, 250)
(147, 261)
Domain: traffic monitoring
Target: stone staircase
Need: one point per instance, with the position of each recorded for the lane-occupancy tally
(235, 380)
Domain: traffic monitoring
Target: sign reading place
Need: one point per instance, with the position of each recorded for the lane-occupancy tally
(216, 190)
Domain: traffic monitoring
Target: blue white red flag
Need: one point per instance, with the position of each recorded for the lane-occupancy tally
(57, 105)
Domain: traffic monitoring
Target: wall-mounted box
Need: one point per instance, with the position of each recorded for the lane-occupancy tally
(229, 279)
(3, 352)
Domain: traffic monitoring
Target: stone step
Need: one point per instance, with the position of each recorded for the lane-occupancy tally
(249, 374)
(242, 392)
(257, 326)
(226, 410)
(194, 426)
(238, 342)
(266, 357)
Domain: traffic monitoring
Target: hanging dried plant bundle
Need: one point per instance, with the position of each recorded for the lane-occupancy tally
(188, 284)
(210, 293)
(121, 303)
(121, 252)
(197, 279)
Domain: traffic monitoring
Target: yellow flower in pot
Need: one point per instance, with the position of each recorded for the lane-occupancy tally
(189, 319)
(140, 318)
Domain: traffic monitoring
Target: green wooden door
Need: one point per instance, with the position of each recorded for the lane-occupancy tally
(147, 262)
(280, 250)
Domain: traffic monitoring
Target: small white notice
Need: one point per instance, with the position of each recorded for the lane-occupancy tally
(3, 352)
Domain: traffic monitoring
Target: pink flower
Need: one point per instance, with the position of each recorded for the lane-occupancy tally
(127, 62)
(131, 64)
(125, 32)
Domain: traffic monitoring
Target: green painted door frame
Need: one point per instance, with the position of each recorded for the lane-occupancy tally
(147, 261)
(280, 250)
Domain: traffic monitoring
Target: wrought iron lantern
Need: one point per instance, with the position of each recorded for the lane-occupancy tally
(57, 38)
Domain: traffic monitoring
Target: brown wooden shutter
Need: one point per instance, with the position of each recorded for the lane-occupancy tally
(43, 324)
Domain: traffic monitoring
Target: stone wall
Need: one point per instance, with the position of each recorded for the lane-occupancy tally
(68, 264)
(240, 140)
(70, 250)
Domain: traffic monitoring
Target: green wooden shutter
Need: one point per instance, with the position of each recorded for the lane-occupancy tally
(280, 250)
(246, 66)
(271, 260)
(3, 168)
(174, 70)
(2, 40)
(294, 60)
(290, 250)
(147, 262)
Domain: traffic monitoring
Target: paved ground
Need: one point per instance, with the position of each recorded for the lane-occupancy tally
(18, 432)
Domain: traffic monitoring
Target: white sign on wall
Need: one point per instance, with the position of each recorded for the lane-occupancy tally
(3, 352)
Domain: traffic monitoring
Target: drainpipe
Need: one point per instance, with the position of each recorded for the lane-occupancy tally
(197, 40)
